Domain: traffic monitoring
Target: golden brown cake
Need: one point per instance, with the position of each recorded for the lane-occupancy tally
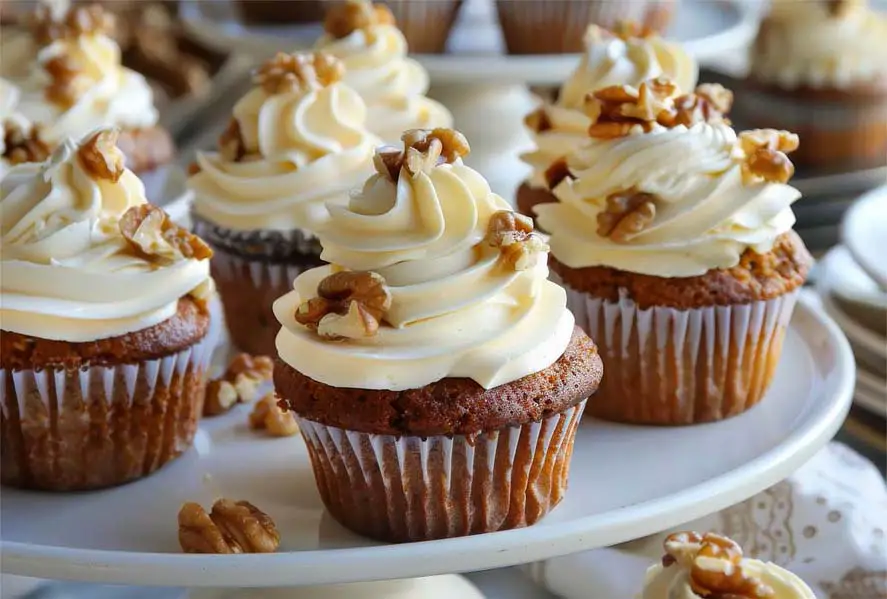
(434, 333)
(672, 236)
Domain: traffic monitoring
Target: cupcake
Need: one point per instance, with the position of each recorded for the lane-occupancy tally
(366, 39)
(425, 24)
(102, 351)
(672, 235)
(558, 26)
(626, 55)
(832, 92)
(281, 11)
(426, 361)
(296, 142)
(20, 141)
(75, 83)
(699, 566)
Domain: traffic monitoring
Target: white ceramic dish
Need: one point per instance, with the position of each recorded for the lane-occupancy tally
(841, 275)
(864, 232)
(627, 482)
(871, 392)
(858, 334)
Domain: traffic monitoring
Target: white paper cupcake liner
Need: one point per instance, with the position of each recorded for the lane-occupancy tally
(669, 366)
(413, 488)
(100, 426)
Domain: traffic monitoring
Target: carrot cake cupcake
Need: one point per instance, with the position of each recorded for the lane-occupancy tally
(626, 55)
(366, 39)
(76, 83)
(673, 236)
(296, 142)
(103, 361)
(820, 68)
(434, 335)
(697, 566)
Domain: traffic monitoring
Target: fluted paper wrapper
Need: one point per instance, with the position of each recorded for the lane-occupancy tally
(672, 367)
(402, 489)
(65, 430)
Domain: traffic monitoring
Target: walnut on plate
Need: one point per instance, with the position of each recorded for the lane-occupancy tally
(349, 305)
(627, 213)
(231, 527)
(286, 73)
(240, 383)
(764, 155)
(154, 236)
(513, 234)
(347, 17)
(271, 418)
(22, 143)
(423, 150)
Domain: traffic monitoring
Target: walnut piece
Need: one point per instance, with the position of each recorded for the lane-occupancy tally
(627, 214)
(627, 30)
(764, 155)
(350, 305)
(347, 17)
(22, 143)
(557, 172)
(423, 150)
(513, 234)
(538, 121)
(153, 235)
(709, 104)
(231, 527)
(715, 565)
(101, 157)
(240, 383)
(77, 21)
(287, 73)
(232, 148)
(268, 416)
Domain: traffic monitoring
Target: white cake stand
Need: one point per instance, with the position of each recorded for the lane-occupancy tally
(626, 482)
(484, 88)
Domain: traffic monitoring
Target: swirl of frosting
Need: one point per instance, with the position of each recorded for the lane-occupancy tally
(459, 306)
(703, 207)
(68, 273)
(377, 67)
(298, 148)
(611, 58)
(79, 84)
(817, 45)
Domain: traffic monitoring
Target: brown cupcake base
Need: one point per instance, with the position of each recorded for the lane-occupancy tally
(281, 11)
(528, 197)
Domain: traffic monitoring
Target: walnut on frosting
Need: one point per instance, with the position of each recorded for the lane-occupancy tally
(48, 26)
(621, 110)
(763, 153)
(349, 305)
(152, 235)
(715, 566)
(627, 214)
(347, 17)
(423, 150)
(231, 145)
(67, 82)
(101, 157)
(627, 29)
(513, 234)
(286, 73)
(22, 143)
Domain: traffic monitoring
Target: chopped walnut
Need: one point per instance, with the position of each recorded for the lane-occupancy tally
(513, 234)
(77, 21)
(101, 157)
(67, 82)
(268, 416)
(350, 305)
(708, 104)
(557, 172)
(231, 527)
(22, 143)
(232, 148)
(764, 155)
(240, 383)
(627, 214)
(286, 73)
(155, 236)
(538, 121)
(423, 150)
(350, 16)
(715, 565)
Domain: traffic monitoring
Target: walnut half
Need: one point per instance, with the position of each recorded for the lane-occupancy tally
(627, 213)
(22, 143)
(286, 73)
(101, 157)
(349, 305)
(513, 234)
(347, 17)
(77, 20)
(764, 155)
(271, 418)
(154, 236)
(231, 527)
(423, 149)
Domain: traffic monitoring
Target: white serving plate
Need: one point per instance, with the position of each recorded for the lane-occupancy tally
(864, 232)
(627, 482)
(871, 392)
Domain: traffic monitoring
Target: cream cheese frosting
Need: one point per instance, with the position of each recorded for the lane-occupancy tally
(458, 307)
(816, 45)
(609, 59)
(67, 272)
(301, 147)
(708, 210)
(102, 92)
(377, 67)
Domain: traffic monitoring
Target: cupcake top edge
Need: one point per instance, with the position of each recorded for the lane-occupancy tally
(76, 81)
(696, 565)
(296, 140)
(432, 276)
(822, 45)
(664, 186)
(84, 256)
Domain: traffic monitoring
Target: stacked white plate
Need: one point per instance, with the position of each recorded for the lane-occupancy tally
(852, 283)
